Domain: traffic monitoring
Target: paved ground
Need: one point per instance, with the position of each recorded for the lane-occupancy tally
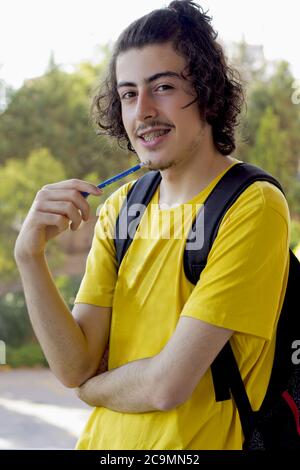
(37, 412)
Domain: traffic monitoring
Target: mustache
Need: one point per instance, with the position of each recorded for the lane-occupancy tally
(153, 124)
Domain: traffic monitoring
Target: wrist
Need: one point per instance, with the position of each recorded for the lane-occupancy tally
(23, 258)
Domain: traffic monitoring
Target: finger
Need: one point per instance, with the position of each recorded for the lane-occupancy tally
(63, 208)
(53, 220)
(79, 185)
(71, 195)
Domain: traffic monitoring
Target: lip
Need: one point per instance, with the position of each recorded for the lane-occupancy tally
(158, 140)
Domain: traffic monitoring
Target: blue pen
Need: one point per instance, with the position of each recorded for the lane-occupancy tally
(119, 176)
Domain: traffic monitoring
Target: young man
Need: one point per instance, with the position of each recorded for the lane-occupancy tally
(170, 95)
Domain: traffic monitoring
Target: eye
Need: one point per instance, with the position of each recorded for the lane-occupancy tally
(125, 96)
(165, 87)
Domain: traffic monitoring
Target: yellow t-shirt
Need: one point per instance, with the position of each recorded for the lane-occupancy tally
(241, 288)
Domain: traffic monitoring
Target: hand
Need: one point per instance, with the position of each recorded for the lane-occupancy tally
(54, 207)
(81, 393)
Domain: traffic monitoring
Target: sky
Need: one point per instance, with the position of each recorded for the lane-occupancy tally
(74, 29)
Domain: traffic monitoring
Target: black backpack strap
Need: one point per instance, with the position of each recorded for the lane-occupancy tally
(209, 218)
(235, 387)
(132, 210)
(225, 372)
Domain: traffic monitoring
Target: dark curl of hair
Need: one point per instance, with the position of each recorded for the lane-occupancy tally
(219, 93)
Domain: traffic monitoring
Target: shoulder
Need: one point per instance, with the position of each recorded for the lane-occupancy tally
(260, 201)
(266, 195)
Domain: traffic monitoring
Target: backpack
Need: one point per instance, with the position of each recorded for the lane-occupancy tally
(276, 425)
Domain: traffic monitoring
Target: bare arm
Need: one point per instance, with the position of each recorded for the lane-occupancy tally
(72, 344)
(127, 389)
(164, 381)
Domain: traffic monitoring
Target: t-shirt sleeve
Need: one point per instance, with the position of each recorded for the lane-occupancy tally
(98, 283)
(243, 282)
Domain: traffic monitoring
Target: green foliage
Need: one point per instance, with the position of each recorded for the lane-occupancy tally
(27, 355)
(46, 137)
(20, 182)
(295, 234)
(270, 135)
(16, 329)
(68, 286)
(270, 150)
(294, 197)
(53, 112)
(274, 91)
(15, 326)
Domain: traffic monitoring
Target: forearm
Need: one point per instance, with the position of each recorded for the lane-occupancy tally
(60, 336)
(128, 389)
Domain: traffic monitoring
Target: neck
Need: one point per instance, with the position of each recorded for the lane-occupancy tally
(183, 181)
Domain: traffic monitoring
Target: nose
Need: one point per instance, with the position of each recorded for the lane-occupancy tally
(145, 108)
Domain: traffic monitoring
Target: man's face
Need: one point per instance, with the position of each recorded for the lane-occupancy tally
(154, 98)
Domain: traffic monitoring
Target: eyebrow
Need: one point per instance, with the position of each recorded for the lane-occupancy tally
(156, 76)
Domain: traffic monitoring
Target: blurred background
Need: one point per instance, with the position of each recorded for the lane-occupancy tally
(52, 56)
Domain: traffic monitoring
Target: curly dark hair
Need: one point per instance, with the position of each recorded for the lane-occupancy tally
(219, 91)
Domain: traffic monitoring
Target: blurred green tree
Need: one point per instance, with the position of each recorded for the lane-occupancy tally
(52, 111)
(271, 147)
(269, 133)
(20, 180)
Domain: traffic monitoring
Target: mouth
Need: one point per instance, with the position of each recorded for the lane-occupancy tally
(155, 140)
